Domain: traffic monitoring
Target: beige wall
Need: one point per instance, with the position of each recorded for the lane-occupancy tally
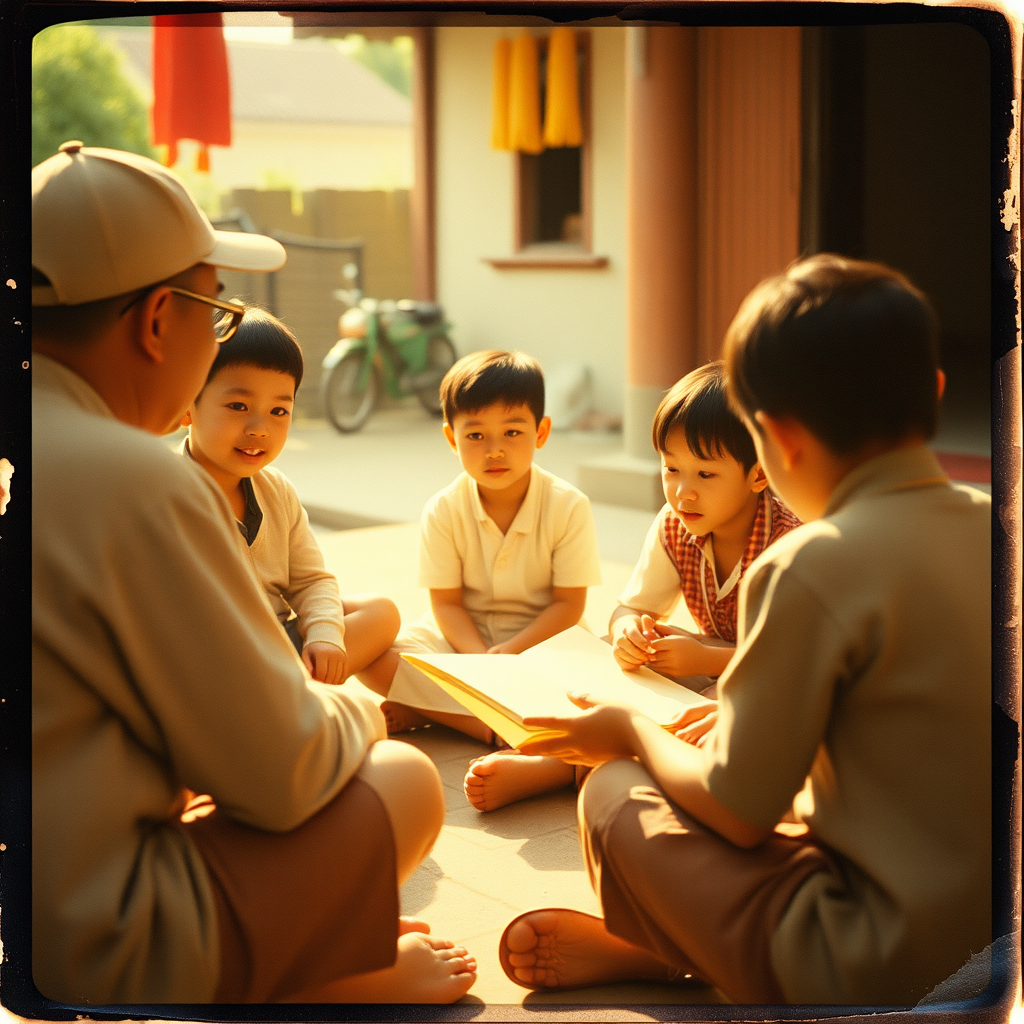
(310, 156)
(557, 315)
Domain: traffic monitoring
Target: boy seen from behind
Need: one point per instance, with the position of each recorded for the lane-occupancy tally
(720, 515)
(859, 696)
(237, 426)
(507, 550)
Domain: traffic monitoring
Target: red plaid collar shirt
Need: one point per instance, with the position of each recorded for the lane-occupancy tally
(716, 616)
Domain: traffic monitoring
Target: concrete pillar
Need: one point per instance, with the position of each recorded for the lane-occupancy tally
(661, 222)
(661, 240)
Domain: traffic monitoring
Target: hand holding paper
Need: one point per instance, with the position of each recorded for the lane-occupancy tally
(503, 689)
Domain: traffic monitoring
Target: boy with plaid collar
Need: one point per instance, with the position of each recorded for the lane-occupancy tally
(719, 516)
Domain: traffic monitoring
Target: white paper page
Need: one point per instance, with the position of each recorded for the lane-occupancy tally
(535, 683)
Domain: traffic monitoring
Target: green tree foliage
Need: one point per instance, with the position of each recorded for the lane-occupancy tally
(391, 61)
(80, 92)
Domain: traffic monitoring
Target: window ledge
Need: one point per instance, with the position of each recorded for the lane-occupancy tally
(548, 257)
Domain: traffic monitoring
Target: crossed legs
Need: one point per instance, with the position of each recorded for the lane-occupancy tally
(427, 969)
(678, 900)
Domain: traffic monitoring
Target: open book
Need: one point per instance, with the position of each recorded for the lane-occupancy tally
(503, 689)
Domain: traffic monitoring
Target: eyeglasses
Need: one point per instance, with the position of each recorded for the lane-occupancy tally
(226, 315)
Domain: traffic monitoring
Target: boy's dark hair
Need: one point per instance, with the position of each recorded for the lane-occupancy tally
(698, 405)
(261, 340)
(483, 378)
(847, 348)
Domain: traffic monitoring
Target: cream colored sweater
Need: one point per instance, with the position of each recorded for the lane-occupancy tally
(157, 665)
(288, 562)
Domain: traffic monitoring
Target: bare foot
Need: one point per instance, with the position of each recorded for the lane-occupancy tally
(569, 949)
(412, 924)
(501, 778)
(427, 970)
(401, 717)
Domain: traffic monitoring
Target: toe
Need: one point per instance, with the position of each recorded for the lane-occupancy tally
(482, 766)
(521, 938)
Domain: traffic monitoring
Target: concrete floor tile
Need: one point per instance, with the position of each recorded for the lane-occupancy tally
(522, 820)
(443, 745)
(454, 911)
(547, 870)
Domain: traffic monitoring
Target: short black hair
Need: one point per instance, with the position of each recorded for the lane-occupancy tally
(488, 376)
(261, 340)
(846, 347)
(698, 404)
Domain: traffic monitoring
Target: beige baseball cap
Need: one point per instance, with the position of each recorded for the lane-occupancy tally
(105, 222)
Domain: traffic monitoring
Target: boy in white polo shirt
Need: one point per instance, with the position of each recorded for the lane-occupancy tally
(507, 550)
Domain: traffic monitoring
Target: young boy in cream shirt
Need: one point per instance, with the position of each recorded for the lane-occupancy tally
(507, 551)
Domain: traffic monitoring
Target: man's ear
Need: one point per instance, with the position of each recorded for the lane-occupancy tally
(940, 376)
(787, 435)
(543, 431)
(186, 419)
(449, 436)
(152, 324)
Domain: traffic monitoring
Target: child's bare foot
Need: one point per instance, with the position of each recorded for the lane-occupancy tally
(412, 924)
(427, 970)
(401, 717)
(568, 949)
(501, 778)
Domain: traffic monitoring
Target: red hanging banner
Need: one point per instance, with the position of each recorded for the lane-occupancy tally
(191, 85)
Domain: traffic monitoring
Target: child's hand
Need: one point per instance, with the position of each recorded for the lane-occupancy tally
(505, 648)
(325, 661)
(633, 643)
(600, 734)
(694, 723)
(678, 656)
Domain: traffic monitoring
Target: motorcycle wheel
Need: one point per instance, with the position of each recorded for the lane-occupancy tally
(440, 356)
(347, 408)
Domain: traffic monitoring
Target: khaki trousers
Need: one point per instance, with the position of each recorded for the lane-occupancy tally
(682, 892)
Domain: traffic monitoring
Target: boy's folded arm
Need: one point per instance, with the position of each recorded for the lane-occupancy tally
(312, 589)
(623, 611)
(456, 625)
(565, 610)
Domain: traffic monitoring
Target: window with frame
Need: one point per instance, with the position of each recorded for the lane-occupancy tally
(552, 188)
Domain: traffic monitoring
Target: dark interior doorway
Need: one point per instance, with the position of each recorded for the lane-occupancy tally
(897, 168)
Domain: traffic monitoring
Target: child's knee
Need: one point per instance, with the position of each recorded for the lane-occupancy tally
(408, 785)
(389, 617)
(606, 789)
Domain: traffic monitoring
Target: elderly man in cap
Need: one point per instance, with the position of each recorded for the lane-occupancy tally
(160, 670)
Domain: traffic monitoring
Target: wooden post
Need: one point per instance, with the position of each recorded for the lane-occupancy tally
(749, 173)
(424, 266)
(661, 221)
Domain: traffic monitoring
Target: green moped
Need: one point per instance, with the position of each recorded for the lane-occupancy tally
(398, 348)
